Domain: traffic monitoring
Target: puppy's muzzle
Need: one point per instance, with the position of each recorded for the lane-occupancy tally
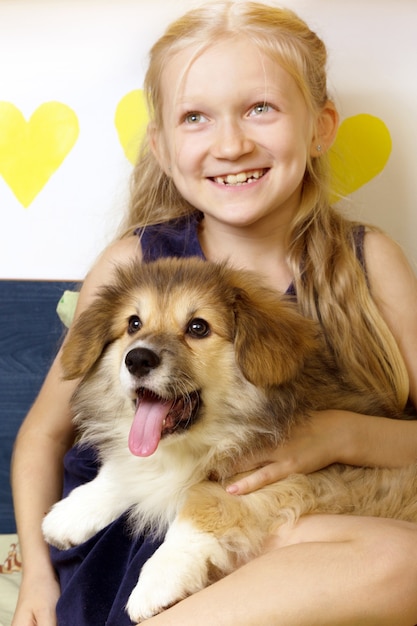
(162, 407)
(140, 361)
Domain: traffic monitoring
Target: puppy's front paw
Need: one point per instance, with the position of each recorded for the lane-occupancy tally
(86, 510)
(75, 519)
(61, 528)
(179, 568)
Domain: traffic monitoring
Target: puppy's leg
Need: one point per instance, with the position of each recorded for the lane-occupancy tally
(212, 534)
(180, 567)
(86, 510)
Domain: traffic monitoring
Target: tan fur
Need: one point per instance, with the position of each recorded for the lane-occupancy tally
(260, 369)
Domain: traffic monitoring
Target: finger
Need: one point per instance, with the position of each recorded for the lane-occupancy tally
(263, 476)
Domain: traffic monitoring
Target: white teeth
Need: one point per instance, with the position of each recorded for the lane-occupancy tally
(239, 179)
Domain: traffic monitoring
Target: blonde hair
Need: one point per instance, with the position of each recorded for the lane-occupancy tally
(321, 248)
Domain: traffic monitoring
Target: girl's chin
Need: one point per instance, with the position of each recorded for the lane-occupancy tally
(235, 218)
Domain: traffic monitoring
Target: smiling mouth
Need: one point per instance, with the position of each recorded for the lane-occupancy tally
(242, 178)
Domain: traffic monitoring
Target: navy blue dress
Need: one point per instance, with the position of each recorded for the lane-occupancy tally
(98, 576)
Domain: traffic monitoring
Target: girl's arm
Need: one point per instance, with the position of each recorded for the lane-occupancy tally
(340, 436)
(42, 441)
(37, 464)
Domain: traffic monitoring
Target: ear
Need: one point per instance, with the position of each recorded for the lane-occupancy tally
(272, 339)
(326, 130)
(158, 147)
(86, 340)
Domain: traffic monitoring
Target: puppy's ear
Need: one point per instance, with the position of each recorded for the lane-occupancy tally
(86, 340)
(272, 339)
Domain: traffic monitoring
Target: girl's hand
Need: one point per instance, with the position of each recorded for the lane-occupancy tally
(328, 437)
(37, 602)
(312, 446)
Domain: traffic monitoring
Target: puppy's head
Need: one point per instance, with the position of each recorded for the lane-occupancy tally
(173, 337)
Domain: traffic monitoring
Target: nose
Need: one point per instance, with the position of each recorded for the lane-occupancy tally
(231, 141)
(140, 361)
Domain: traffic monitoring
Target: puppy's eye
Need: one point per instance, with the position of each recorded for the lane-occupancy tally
(134, 324)
(198, 328)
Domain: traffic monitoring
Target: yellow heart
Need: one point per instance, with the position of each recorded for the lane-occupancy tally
(361, 150)
(30, 152)
(131, 119)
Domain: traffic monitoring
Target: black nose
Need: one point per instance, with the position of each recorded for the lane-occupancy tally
(140, 361)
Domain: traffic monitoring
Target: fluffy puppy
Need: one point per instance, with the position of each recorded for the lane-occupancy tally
(186, 366)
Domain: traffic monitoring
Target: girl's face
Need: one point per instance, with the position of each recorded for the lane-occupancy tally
(236, 134)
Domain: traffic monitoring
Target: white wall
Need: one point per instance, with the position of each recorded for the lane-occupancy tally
(88, 54)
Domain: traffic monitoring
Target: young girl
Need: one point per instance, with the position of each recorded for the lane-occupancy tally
(235, 167)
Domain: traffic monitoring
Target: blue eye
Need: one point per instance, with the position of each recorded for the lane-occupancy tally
(262, 107)
(194, 118)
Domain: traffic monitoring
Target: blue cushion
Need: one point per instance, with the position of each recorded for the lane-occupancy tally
(30, 334)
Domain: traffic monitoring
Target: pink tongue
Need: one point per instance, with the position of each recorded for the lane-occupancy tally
(145, 432)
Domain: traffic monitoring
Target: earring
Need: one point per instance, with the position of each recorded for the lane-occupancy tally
(318, 148)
